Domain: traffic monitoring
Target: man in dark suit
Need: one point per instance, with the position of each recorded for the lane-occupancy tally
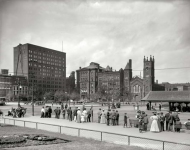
(170, 127)
(162, 120)
(167, 116)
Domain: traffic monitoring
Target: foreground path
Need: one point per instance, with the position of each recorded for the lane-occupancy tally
(182, 137)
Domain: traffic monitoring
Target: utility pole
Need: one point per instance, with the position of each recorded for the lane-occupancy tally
(32, 94)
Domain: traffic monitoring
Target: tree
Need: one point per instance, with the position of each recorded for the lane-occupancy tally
(60, 96)
(74, 95)
(48, 96)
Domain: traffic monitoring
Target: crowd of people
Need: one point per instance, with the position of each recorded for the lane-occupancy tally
(159, 121)
(109, 117)
(78, 115)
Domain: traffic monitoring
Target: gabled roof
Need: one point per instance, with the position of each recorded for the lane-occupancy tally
(168, 96)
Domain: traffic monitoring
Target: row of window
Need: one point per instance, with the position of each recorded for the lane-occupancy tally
(47, 54)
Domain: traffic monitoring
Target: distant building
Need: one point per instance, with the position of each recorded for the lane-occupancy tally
(44, 68)
(176, 86)
(87, 79)
(70, 83)
(121, 83)
(12, 85)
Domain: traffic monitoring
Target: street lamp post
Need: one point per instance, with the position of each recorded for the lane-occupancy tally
(20, 87)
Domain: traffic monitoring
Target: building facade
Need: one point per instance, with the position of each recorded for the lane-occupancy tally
(87, 79)
(44, 68)
(12, 86)
(119, 83)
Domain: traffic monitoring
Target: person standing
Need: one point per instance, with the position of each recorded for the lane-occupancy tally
(162, 120)
(108, 117)
(91, 112)
(71, 114)
(103, 117)
(75, 114)
(167, 116)
(154, 126)
(78, 116)
(58, 113)
(160, 107)
(159, 125)
(125, 120)
(170, 123)
(68, 113)
(113, 117)
(63, 112)
(50, 111)
(85, 115)
(88, 116)
(117, 118)
(42, 112)
(146, 121)
(99, 115)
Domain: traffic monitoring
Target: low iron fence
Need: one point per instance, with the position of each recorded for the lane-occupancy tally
(102, 136)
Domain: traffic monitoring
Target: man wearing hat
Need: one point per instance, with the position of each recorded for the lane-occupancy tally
(162, 120)
(167, 116)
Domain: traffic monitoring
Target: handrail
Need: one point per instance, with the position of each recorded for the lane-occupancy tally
(100, 132)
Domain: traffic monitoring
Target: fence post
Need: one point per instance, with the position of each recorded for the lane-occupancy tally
(163, 145)
(101, 136)
(14, 122)
(36, 125)
(78, 132)
(4, 120)
(60, 129)
(129, 140)
(24, 123)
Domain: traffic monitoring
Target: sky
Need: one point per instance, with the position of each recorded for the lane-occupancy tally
(109, 32)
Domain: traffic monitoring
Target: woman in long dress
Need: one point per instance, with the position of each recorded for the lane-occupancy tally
(79, 116)
(154, 126)
(85, 115)
(103, 117)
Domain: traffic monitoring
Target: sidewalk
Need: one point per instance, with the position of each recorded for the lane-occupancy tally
(183, 137)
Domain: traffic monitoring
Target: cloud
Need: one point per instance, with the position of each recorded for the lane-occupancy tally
(106, 32)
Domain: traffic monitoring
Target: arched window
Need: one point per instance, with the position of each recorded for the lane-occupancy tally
(139, 89)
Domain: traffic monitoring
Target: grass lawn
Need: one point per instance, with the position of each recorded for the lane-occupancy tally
(77, 142)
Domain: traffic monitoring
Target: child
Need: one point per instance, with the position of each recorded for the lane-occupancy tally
(82, 118)
(177, 125)
(125, 120)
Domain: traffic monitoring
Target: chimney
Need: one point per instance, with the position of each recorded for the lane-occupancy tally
(156, 81)
(79, 67)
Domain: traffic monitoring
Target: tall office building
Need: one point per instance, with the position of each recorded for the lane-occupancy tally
(44, 68)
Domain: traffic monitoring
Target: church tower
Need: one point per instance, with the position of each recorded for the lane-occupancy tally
(127, 77)
(148, 74)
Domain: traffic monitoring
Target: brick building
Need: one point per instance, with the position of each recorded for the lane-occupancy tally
(12, 85)
(119, 82)
(87, 79)
(44, 68)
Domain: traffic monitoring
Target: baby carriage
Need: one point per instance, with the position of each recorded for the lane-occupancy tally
(141, 125)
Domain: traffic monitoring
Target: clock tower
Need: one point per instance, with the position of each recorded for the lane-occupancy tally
(148, 75)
